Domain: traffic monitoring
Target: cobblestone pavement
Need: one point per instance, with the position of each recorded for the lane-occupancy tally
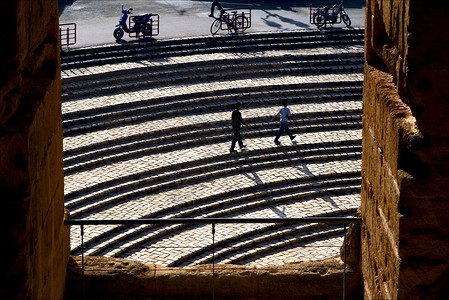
(174, 247)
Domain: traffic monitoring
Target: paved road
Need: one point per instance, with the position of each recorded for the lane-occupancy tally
(96, 19)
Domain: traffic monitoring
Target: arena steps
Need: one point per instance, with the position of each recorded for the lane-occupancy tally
(197, 103)
(143, 50)
(227, 204)
(147, 133)
(98, 155)
(225, 69)
(150, 182)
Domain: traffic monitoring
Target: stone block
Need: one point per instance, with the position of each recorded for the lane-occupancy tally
(110, 278)
(31, 171)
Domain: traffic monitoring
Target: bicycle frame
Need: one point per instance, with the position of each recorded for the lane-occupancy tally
(234, 19)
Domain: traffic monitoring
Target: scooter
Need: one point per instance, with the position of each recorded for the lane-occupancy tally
(141, 24)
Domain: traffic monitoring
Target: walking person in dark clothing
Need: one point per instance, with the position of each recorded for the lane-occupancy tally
(284, 115)
(237, 121)
(212, 8)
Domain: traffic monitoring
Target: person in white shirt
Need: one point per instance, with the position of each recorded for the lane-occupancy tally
(284, 114)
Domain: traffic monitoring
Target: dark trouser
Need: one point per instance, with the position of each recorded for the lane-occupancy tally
(212, 8)
(236, 138)
(284, 128)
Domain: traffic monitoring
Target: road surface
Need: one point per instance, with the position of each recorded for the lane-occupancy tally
(96, 19)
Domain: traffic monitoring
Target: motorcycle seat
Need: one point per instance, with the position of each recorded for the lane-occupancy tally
(136, 19)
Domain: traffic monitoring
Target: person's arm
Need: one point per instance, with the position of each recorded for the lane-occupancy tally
(290, 116)
(274, 117)
(244, 123)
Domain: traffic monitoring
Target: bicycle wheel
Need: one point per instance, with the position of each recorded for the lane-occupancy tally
(319, 20)
(215, 26)
(241, 23)
(346, 20)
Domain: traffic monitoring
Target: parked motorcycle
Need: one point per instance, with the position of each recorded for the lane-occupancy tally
(141, 24)
(331, 15)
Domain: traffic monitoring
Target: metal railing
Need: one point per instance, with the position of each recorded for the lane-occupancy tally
(345, 221)
(67, 34)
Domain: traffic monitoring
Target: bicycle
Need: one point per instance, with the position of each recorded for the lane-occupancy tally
(233, 20)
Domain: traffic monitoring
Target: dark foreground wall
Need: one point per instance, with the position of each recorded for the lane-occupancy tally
(35, 243)
(405, 163)
(111, 278)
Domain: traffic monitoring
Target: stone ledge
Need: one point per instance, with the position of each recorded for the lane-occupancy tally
(112, 278)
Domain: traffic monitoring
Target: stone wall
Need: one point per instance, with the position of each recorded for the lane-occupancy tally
(405, 163)
(112, 278)
(35, 242)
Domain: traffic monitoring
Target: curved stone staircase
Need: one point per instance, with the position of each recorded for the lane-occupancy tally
(147, 134)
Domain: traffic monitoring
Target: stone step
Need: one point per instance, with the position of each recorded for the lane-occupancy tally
(119, 115)
(213, 129)
(96, 72)
(177, 179)
(210, 64)
(221, 72)
(203, 152)
(302, 91)
(229, 204)
(147, 134)
(249, 42)
(241, 256)
(276, 82)
(209, 133)
(216, 162)
(148, 236)
(261, 241)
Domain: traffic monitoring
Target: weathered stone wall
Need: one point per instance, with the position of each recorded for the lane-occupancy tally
(405, 163)
(35, 242)
(112, 278)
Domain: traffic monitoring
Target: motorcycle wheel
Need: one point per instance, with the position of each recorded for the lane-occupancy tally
(319, 20)
(118, 33)
(215, 26)
(346, 20)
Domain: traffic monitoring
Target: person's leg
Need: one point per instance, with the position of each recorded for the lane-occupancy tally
(278, 135)
(239, 139)
(287, 130)
(212, 9)
(236, 137)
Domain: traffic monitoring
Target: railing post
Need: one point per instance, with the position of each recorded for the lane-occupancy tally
(60, 38)
(344, 262)
(213, 260)
(82, 260)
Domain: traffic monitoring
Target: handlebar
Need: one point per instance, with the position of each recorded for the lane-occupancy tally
(128, 11)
